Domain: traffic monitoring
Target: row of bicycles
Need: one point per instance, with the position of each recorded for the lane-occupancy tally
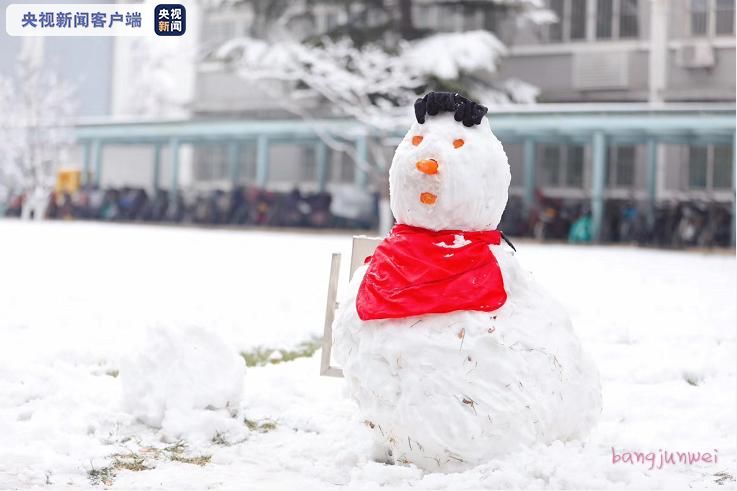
(239, 206)
(693, 223)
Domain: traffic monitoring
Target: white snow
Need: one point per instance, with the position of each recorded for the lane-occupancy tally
(471, 182)
(75, 298)
(452, 391)
(520, 91)
(186, 381)
(448, 55)
(458, 241)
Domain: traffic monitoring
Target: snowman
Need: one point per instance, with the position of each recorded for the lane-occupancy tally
(452, 351)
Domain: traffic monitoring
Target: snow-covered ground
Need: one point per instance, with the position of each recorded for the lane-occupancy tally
(93, 317)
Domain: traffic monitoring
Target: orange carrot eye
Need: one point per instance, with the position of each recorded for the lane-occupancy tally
(416, 140)
(458, 143)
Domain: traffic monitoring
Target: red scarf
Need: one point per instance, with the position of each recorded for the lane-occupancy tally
(415, 271)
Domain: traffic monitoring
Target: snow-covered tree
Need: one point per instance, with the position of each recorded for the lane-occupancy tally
(36, 110)
(155, 90)
(368, 58)
(158, 71)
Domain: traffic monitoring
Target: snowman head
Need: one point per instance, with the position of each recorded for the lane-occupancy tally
(450, 172)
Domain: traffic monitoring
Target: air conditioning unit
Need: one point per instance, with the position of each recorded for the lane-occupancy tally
(695, 55)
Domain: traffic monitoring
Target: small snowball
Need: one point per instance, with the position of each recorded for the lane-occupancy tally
(188, 382)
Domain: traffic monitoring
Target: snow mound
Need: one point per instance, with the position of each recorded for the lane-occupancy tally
(187, 382)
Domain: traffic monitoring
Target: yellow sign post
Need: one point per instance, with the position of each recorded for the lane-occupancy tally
(68, 180)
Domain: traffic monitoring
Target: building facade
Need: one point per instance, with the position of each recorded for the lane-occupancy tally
(600, 55)
(600, 51)
(609, 51)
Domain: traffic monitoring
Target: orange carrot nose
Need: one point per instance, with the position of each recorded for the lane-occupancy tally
(428, 166)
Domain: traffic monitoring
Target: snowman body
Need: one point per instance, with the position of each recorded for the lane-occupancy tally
(447, 391)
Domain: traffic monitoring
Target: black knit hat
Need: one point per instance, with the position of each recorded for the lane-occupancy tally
(465, 110)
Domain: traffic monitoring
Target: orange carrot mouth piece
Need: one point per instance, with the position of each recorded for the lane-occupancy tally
(428, 198)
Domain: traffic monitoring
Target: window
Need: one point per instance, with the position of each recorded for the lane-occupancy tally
(308, 169)
(611, 19)
(712, 17)
(625, 166)
(551, 165)
(562, 165)
(722, 173)
(574, 167)
(450, 17)
(473, 18)
(724, 17)
(697, 164)
(604, 17)
(423, 16)
(211, 163)
(492, 19)
(710, 167)
(343, 168)
(247, 163)
(555, 30)
(578, 19)
(628, 20)
(699, 16)
(621, 166)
